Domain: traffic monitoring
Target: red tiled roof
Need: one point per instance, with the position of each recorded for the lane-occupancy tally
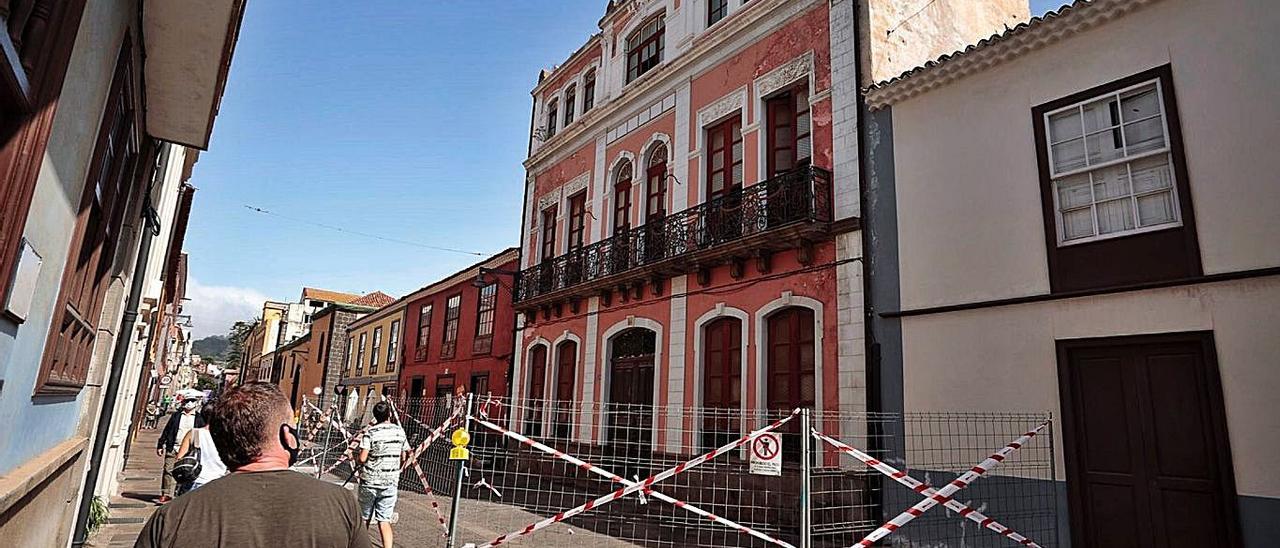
(328, 296)
(377, 299)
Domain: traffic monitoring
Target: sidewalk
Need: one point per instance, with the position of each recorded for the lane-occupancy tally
(139, 487)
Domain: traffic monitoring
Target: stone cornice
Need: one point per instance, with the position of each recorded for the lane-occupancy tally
(665, 76)
(1035, 34)
(573, 58)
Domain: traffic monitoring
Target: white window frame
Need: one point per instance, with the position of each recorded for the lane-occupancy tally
(1166, 150)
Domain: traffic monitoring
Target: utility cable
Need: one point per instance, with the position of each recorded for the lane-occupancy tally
(365, 234)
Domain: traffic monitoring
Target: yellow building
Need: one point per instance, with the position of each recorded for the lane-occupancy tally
(372, 363)
(261, 342)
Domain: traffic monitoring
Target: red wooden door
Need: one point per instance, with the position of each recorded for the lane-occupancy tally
(537, 390)
(722, 381)
(1148, 459)
(566, 358)
(790, 370)
(630, 410)
(655, 205)
(724, 180)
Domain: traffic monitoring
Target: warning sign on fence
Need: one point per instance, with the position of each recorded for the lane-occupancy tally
(766, 455)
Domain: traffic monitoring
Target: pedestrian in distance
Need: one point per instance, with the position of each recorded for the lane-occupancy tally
(383, 448)
(167, 446)
(153, 415)
(261, 503)
(199, 439)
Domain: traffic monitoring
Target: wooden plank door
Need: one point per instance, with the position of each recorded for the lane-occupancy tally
(1148, 460)
(722, 382)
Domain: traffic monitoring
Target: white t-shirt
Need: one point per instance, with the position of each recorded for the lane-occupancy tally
(211, 466)
(185, 424)
(385, 442)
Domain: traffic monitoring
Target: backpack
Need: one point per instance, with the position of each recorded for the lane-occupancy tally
(187, 468)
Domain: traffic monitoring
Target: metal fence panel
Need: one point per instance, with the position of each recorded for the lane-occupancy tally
(510, 484)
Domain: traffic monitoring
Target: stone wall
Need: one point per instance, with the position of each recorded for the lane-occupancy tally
(903, 35)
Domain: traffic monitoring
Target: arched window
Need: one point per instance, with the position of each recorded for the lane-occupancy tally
(570, 97)
(537, 390)
(622, 197)
(566, 372)
(588, 91)
(656, 183)
(721, 381)
(553, 109)
(644, 47)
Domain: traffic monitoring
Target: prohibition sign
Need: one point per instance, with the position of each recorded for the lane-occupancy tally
(766, 446)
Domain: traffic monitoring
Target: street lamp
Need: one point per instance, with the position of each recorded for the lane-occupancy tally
(480, 276)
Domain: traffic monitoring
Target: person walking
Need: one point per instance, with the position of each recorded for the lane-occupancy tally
(383, 448)
(261, 503)
(153, 415)
(167, 446)
(211, 466)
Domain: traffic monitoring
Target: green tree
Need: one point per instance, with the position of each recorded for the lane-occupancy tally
(235, 341)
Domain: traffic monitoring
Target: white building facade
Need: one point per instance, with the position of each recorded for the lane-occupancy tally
(1080, 216)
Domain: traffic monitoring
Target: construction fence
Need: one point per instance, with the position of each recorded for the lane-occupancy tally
(565, 474)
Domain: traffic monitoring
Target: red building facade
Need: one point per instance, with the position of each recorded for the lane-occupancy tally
(681, 245)
(458, 332)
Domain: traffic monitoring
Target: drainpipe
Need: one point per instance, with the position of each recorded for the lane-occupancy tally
(150, 227)
(875, 401)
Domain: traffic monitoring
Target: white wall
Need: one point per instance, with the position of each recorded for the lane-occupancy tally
(165, 200)
(968, 187)
(1004, 359)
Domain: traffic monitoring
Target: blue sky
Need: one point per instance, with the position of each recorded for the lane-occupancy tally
(406, 119)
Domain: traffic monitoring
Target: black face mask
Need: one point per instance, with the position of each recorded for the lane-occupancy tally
(284, 442)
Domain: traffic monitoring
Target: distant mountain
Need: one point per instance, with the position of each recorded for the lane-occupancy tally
(213, 347)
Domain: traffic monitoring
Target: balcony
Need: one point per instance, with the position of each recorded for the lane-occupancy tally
(787, 211)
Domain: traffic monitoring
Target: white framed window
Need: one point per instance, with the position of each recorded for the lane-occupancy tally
(1111, 165)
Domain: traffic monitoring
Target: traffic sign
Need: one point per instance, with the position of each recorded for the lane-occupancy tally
(166, 380)
(766, 455)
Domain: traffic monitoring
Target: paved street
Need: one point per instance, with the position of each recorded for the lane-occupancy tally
(139, 488)
(418, 526)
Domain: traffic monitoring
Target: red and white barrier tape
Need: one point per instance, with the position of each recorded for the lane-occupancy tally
(347, 454)
(943, 495)
(619, 479)
(413, 459)
(326, 416)
(320, 453)
(644, 485)
(432, 437)
(919, 487)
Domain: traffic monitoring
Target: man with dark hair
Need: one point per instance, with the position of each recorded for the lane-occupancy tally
(382, 450)
(167, 445)
(262, 502)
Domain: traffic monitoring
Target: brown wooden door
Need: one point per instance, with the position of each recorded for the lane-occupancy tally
(566, 361)
(722, 381)
(537, 390)
(630, 410)
(791, 370)
(724, 182)
(1147, 454)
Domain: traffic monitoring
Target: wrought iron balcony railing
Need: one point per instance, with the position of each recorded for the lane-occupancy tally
(798, 197)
